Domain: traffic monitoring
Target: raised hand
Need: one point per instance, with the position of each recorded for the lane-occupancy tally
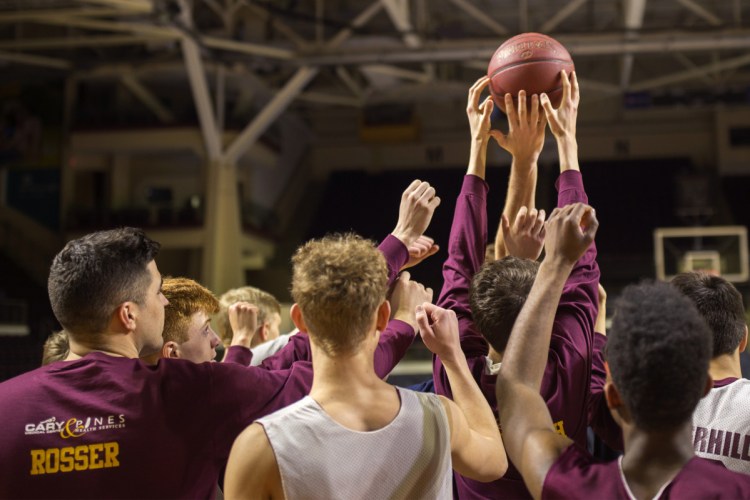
(570, 231)
(562, 121)
(479, 113)
(418, 204)
(525, 238)
(405, 298)
(525, 138)
(423, 247)
(243, 318)
(439, 330)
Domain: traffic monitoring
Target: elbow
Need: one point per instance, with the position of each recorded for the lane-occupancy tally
(494, 470)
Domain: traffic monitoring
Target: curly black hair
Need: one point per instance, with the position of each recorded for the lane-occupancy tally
(658, 350)
(720, 304)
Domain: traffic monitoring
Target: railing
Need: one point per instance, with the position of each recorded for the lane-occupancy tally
(14, 320)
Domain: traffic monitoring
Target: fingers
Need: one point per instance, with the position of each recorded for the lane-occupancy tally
(420, 190)
(565, 85)
(486, 109)
(505, 225)
(574, 94)
(535, 109)
(475, 91)
(423, 320)
(500, 138)
(549, 111)
(522, 106)
(411, 187)
(510, 110)
(538, 225)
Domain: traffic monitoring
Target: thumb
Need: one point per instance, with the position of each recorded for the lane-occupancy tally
(505, 224)
(500, 138)
(423, 321)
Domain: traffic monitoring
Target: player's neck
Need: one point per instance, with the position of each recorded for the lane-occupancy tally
(342, 374)
(111, 344)
(725, 366)
(653, 459)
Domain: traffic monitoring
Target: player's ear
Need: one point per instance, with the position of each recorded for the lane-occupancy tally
(384, 315)
(125, 315)
(743, 342)
(296, 313)
(170, 350)
(263, 332)
(612, 395)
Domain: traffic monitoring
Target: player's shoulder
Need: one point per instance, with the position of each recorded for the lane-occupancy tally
(577, 474)
(707, 477)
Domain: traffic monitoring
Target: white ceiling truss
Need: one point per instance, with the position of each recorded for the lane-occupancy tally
(355, 52)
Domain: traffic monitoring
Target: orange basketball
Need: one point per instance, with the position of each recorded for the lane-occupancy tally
(530, 62)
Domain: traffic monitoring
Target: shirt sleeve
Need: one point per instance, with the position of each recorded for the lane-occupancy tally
(396, 255)
(239, 355)
(296, 349)
(466, 250)
(394, 341)
(565, 385)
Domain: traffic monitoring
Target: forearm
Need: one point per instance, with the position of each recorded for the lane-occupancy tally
(527, 351)
(469, 398)
(478, 158)
(567, 150)
(521, 193)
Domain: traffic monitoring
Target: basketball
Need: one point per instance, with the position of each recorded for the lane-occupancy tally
(530, 62)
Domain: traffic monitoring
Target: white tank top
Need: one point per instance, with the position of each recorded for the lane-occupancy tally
(721, 425)
(409, 458)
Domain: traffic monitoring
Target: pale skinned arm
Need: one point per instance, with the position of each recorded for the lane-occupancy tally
(601, 319)
(524, 141)
(418, 204)
(530, 438)
(243, 318)
(476, 444)
(252, 470)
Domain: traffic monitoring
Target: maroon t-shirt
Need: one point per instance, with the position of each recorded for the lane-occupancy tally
(575, 474)
(565, 386)
(112, 427)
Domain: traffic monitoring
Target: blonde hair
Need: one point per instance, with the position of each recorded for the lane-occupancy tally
(266, 303)
(186, 297)
(56, 347)
(339, 282)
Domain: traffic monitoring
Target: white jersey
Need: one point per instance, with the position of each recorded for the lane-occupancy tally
(409, 458)
(721, 424)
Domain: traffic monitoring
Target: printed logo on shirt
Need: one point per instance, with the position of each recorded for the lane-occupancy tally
(74, 427)
(75, 458)
(722, 443)
(559, 428)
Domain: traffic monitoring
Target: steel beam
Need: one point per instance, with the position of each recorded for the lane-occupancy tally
(147, 98)
(476, 13)
(561, 15)
(701, 11)
(269, 114)
(691, 74)
(33, 60)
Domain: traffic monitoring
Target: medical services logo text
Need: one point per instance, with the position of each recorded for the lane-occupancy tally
(75, 427)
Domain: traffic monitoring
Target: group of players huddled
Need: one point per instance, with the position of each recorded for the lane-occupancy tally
(522, 364)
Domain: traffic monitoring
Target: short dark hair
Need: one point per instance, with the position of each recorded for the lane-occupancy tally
(658, 350)
(720, 304)
(93, 275)
(497, 294)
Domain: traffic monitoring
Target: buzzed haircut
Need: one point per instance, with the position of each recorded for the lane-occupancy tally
(339, 282)
(266, 303)
(720, 304)
(93, 275)
(658, 350)
(186, 298)
(498, 292)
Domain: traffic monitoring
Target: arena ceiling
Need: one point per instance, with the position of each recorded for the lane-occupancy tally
(267, 55)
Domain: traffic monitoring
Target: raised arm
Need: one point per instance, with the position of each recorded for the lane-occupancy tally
(243, 318)
(476, 444)
(524, 141)
(528, 431)
(406, 246)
